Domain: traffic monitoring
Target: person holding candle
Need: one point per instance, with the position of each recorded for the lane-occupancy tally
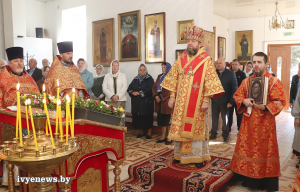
(64, 70)
(11, 75)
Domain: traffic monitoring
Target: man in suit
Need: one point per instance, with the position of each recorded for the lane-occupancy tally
(33, 71)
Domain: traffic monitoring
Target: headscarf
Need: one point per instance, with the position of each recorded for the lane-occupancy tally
(102, 71)
(168, 68)
(270, 70)
(245, 70)
(139, 76)
(110, 69)
(85, 66)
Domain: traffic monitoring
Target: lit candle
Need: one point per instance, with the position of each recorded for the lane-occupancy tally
(49, 125)
(73, 111)
(67, 118)
(60, 120)
(45, 105)
(57, 114)
(32, 125)
(26, 103)
(19, 114)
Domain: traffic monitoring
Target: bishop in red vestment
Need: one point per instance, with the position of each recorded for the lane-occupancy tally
(256, 157)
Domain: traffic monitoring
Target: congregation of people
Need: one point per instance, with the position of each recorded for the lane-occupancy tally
(163, 100)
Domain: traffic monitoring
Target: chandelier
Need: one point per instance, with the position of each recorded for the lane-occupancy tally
(275, 22)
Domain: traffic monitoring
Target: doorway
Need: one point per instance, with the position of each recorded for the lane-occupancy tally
(280, 57)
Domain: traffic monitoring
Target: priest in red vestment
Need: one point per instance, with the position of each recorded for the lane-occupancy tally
(192, 80)
(64, 70)
(11, 75)
(256, 157)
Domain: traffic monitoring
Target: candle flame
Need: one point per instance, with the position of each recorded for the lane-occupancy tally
(58, 102)
(29, 102)
(44, 100)
(44, 87)
(26, 102)
(57, 82)
(73, 89)
(68, 98)
(18, 86)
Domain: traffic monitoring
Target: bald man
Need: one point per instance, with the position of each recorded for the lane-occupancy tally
(33, 71)
(45, 62)
(220, 104)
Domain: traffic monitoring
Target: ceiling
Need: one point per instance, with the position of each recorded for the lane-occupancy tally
(232, 9)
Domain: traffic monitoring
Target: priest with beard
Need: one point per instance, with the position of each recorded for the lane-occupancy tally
(64, 70)
(11, 75)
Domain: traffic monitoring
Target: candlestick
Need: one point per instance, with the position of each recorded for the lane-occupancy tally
(73, 111)
(26, 103)
(49, 125)
(67, 118)
(45, 105)
(32, 125)
(19, 114)
(57, 114)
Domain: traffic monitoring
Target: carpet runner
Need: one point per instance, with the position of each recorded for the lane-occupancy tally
(159, 173)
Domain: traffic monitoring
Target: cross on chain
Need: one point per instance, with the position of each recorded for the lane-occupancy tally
(196, 86)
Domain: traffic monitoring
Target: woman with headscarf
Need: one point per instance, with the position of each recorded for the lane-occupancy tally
(41, 81)
(162, 97)
(114, 87)
(295, 106)
(248, 68)
(98, 81)
(140, 91)
(269, 69)
(86, 76)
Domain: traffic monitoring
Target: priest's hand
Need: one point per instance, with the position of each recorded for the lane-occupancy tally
(297, 122)
(259, 107)
(229, 105)
(291, 105)
(248, 102)
(204, 106)
(171, 102)
(157, 99)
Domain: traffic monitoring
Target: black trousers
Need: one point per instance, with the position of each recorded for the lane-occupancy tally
(216, 108)
(239, 117)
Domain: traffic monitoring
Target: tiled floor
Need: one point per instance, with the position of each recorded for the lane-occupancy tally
(137, 149)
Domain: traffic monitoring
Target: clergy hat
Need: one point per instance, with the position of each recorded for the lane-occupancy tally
(14, 53)
(65, 46)
(195, 33)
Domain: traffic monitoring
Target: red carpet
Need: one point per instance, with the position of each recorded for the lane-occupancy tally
(158, 173)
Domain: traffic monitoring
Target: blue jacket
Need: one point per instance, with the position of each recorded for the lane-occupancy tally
(229, 83)
(88, 80)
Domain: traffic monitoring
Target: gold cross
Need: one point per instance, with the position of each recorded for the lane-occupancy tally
(202, 56)
(196, 86)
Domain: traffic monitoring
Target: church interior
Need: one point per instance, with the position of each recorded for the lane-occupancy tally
(108, 156)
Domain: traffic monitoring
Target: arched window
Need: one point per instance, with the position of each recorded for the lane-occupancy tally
(279, 67)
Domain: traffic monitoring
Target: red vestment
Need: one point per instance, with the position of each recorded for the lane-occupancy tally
(67, 77)
(256, 153)
(8, 86)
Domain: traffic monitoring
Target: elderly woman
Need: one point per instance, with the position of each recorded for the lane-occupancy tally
(41, 81)
(98, 81)
(248, 68)
(86, 76)
(140, 91)
(115, 86)
(269, 69)
(162, 97)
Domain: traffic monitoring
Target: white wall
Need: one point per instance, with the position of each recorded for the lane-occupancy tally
(221, 25)
(261, 33)
(35, 16)
(2, 41)
(100, 9)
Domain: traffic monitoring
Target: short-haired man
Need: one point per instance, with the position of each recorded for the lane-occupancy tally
(240, 76)
(33, 71)
(220, 104)
(256, 157)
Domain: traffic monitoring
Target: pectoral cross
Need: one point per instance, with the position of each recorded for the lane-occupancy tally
(191, 71)
(196, 86)
(183, 71)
